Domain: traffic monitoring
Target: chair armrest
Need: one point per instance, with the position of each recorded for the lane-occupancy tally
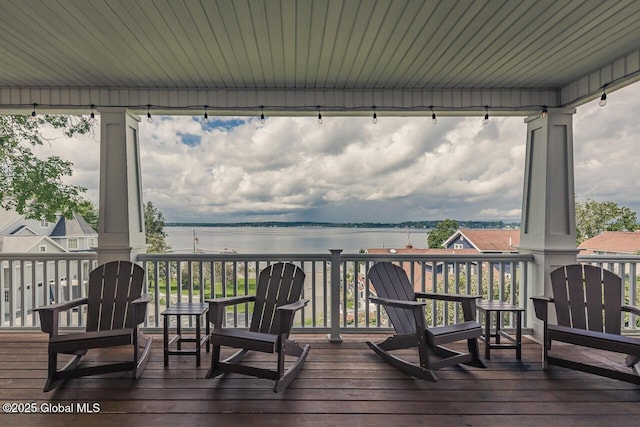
(217, 305)
(224, 301)
(540, 306)
(294, 306)
(144, 299)
(49, 314)
(447, 297)
(140, 307)
(397, 303)
(468, 302)
(286, 313)
(631, 309)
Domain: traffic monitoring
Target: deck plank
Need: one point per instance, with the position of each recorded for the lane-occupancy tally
(340, 384)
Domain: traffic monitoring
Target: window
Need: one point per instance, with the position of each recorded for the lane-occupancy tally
(91, 242)
(72, 244)
(43, 248)
(6, 295)
(44, 223)
(458, 246)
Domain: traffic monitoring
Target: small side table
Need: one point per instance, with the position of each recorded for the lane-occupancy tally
(185, 309)
(498, 307)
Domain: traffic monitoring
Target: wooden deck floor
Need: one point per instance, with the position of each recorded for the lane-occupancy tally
(341, 385)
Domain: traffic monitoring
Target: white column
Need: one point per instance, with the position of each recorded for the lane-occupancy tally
(121, 229)
(548, 226)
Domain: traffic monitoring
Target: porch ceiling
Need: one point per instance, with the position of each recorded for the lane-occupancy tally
(290, 56)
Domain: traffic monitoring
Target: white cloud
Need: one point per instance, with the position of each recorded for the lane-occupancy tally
(348, 169)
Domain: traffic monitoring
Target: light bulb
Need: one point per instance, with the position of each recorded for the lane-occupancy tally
(486, 119)
(33, 117)
(319, 118)
(603, 100)
(375, 118)
(206, 117)
(434, 119)
(261, 114)
(545, 112)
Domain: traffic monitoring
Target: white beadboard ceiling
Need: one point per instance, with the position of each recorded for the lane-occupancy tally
(295, 54)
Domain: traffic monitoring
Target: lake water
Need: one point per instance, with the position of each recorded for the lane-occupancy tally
(291, 239)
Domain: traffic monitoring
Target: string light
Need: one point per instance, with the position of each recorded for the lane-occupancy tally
(262, 114)
(545, 112)
(206, 116)
(603, 98)
(486, 115)
(337, 109)
(33, 117)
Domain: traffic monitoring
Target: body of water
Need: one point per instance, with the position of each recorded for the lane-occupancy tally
(290, 239)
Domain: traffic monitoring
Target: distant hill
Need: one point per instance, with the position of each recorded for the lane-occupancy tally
(406, 224)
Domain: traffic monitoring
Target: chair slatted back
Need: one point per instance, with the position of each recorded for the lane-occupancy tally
(112, 287)
(587, 297)
(391, 281)
(278, 284)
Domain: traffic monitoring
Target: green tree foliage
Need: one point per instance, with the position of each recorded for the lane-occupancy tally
(87, 210)
(442, 232)
(154, 225)
(28, 184)
(592, 218)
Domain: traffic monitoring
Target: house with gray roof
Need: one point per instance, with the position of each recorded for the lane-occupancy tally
(19, 235)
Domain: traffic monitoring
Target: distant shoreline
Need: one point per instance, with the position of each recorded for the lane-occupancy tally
(406, 224)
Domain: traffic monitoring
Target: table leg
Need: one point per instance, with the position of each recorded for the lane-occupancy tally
(179, 332)
(518, 335)
(207, 329)
(166, 341)
(198, 340)
(487, 334)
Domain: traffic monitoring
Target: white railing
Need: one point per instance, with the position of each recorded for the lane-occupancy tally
(32, 280)
(336, 284)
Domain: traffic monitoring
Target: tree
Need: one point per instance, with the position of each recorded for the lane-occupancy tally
(592, 218)
(87, 210)
(32, 186)
(444, 230)
(154, 225)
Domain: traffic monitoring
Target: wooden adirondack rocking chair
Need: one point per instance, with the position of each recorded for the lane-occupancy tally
(276, 301)
(115, 308)
(588, 306)
(395, 292)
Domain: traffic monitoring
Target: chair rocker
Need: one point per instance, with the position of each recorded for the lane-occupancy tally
(395, 292)
(114, 309)
(588, 306)
(276, 301)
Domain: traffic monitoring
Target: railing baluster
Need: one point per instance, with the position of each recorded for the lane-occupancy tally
(335, 295)
(66, 279)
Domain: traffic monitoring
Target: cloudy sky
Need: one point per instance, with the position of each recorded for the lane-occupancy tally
(351, 170)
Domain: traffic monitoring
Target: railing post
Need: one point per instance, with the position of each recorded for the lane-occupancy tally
(336, 262)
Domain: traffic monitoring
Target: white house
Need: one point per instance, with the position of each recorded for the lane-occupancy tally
(19, 235)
